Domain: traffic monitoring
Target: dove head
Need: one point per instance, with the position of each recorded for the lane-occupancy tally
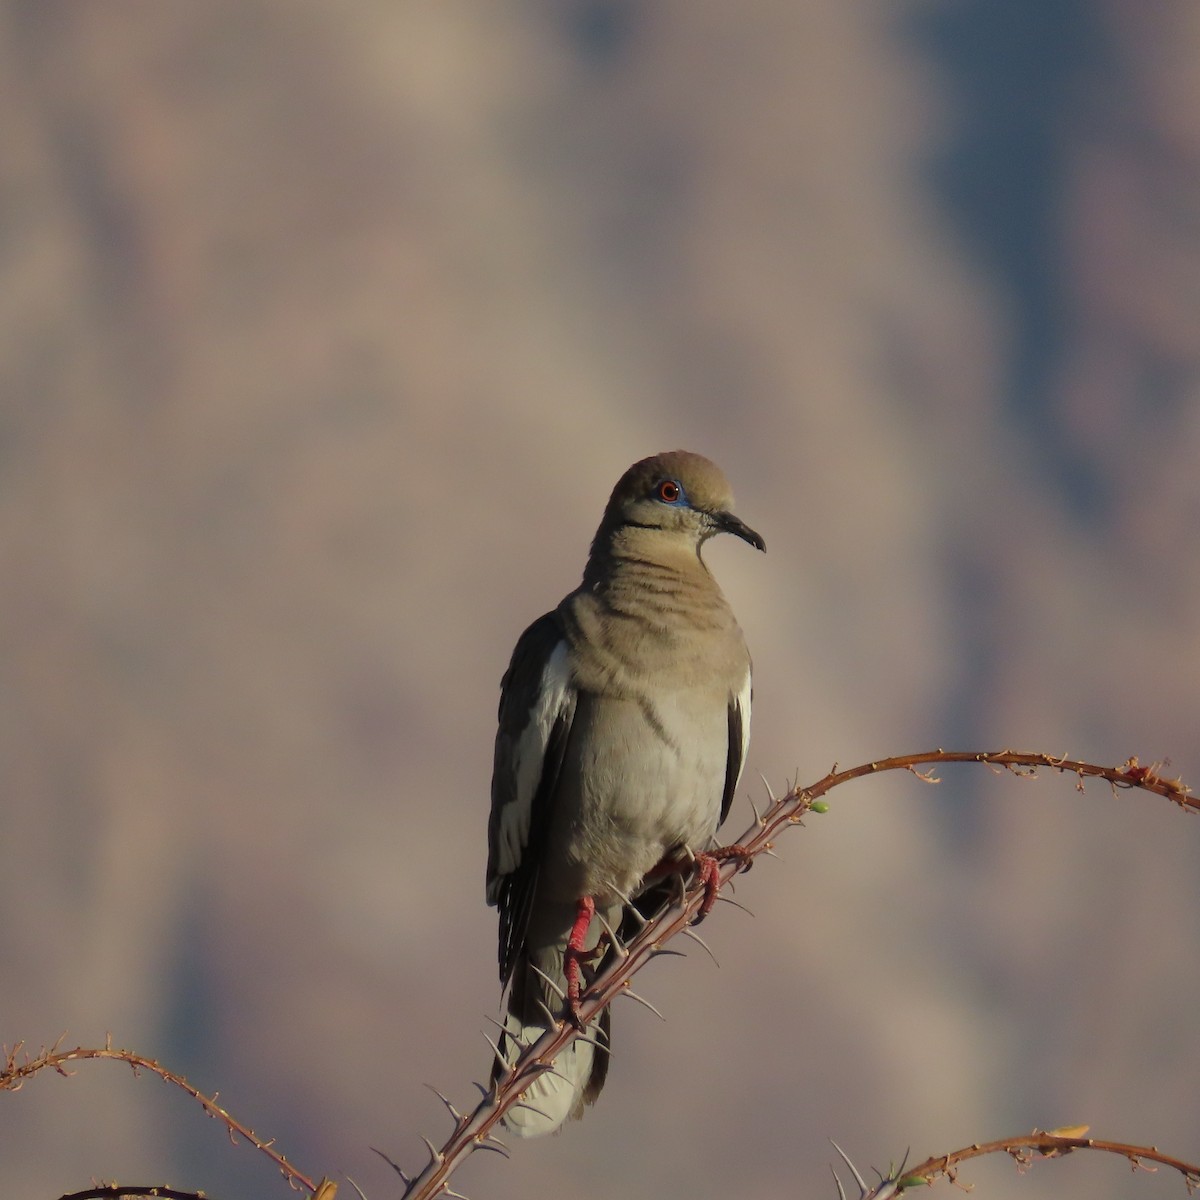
(672, 500)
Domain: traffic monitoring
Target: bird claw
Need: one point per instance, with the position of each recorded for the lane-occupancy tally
(743, 854)
(708, 865)
(574, 956)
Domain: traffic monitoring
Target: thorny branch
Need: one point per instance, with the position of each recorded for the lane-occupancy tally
(1024, 1148)
(127, 1192)
(112, 1191)
(115, 1192)
(474, 1130)
(1053, 1144)
(15, 1073)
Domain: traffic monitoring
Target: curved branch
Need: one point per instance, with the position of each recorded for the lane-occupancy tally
(1130, 774)
(115, 1192)
(1041, 1144)
(474, 1130)
(325, 1191)
(14, 1074)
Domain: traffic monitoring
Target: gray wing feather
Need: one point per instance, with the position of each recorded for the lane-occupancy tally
(537, 705)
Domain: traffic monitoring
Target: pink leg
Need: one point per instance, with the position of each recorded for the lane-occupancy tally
(574, 955)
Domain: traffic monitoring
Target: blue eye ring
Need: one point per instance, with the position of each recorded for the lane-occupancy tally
(669, 491)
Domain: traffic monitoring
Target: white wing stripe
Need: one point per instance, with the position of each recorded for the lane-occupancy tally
(742, 700)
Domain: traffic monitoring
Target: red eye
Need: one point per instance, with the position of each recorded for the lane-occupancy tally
(669, 491)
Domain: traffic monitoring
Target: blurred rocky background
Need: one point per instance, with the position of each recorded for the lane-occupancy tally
(325, 331)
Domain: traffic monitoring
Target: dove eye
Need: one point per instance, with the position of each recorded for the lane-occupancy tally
(668, 491)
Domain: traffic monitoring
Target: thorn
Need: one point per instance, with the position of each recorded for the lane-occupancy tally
(483, 1091)
(587, 1037)
(663, 951)
(405, 1177)
(614, 941)
(657, 913)
(533, 1108)
(628, 991)
(361, 1194)
(641, 921)
(770, 793)
(501, 1150)
(499, 1057)
(554, 1022)
(449, 1192)
(548, 1068)
(688, 931)
(730, 900)
(492, 1021)
(450, 1107)
(560, 992)
(754, 809)
(862, 1183)
(489, 1141)
(435, 1155)
(841, 1190)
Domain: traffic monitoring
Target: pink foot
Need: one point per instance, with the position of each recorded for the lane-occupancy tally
(708, 866)
(575, 955)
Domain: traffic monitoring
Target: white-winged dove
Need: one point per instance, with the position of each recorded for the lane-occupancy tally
(624, 721)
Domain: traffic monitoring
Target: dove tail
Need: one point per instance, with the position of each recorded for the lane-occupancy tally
(578, 1073)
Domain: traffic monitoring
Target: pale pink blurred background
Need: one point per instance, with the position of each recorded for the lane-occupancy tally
(326, 331)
